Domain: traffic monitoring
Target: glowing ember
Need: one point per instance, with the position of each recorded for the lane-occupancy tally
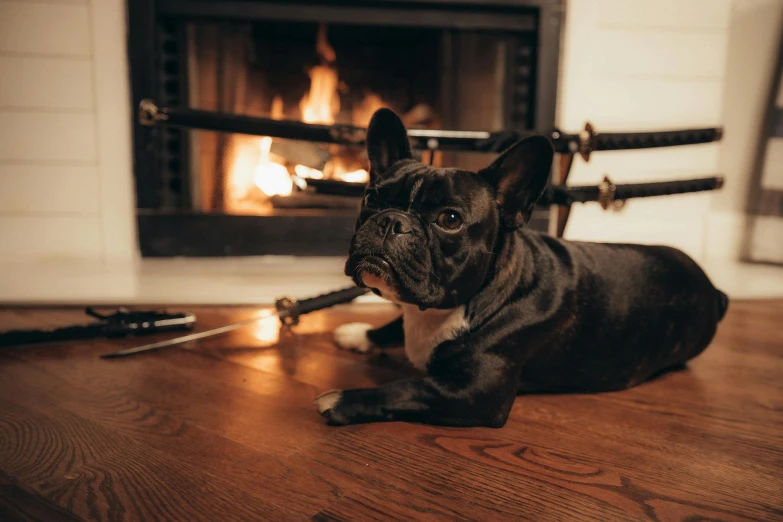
(270, 175)
(355, 176)
(271, 178)
(306, 172)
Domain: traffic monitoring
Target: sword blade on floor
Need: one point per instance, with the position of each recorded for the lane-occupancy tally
(287, 309)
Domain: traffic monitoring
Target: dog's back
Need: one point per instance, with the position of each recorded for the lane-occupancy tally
(627, 313)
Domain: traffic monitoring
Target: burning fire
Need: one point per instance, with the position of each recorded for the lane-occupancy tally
(271, 175)
(272, 178)
(355, 176)
(307, 172)
(321, 104)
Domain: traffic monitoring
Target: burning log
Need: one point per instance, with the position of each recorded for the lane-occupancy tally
(333, 187)
(311, 200)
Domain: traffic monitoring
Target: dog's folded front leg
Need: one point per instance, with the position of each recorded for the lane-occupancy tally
(479, 393)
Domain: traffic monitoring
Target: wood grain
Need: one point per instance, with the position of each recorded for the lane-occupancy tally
(225, 430)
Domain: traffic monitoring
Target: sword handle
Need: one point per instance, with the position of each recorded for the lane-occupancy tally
(648, 140)
(290, 309)
(667, 188)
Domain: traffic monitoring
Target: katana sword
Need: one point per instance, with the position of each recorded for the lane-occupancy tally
(122, 323)
(287, 309)
(605, 193)
(582, 143)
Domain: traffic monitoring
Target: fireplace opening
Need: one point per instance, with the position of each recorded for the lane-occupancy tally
(314, 73)
(440, 66)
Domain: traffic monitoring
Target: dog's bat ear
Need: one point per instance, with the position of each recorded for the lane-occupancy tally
(387, 142)
(520, 175)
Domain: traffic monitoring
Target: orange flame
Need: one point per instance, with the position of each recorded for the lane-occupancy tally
(270, 175)
(354, 176)
(308, 172)
(320, 104)
(322, 46)
(364, 111)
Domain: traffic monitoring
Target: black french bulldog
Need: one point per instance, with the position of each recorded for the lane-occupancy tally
(490, 310)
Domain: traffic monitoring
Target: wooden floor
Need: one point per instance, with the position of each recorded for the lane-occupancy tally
(225, 430)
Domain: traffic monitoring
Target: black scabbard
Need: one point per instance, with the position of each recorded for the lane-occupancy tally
(607, 191)
(69, 333)
(648, 140)
(421, 139)
(120, 324)
(561, 194)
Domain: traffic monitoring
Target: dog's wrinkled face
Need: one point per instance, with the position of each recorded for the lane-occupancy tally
(426, 236)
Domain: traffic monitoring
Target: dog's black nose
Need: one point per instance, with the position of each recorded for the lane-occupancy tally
(394, 224)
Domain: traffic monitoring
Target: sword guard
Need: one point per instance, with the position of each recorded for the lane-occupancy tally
(607, 192)
(150, 114)
(288, 311)
(587, 141)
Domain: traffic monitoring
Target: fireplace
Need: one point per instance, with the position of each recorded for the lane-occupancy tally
(440, 65)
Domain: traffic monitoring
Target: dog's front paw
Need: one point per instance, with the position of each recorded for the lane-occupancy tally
(327, 403)
(353, 336)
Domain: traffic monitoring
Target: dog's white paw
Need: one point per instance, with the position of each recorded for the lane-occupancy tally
(353, 336)
(327, 400)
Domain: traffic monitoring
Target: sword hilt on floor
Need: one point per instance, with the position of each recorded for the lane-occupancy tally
(287, 309)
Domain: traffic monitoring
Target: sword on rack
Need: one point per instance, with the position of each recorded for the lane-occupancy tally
(567, 145)
(583, 143)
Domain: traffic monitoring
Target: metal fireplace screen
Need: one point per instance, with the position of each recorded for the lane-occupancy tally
(442, 66)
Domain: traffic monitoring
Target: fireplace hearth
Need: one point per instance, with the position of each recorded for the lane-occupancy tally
(441, 65)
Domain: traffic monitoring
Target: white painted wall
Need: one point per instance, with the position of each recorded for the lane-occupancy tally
(65, 148)
(645, 65)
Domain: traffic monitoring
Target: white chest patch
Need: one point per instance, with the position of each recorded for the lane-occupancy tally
(424, 330)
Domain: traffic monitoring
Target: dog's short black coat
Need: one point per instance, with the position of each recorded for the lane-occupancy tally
(540, 313)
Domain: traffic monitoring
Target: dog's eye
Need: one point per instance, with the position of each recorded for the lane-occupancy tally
(369, 199)
(450, 220)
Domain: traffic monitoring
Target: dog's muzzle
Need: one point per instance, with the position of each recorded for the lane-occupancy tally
(393, 223)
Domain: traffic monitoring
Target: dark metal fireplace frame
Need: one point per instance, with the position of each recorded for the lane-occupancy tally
(167, 224)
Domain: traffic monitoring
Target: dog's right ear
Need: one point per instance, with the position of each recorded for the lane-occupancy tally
(387, 142)
(520, 175)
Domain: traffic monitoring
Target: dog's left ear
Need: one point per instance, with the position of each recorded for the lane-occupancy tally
(387, 142)
(520, 176)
